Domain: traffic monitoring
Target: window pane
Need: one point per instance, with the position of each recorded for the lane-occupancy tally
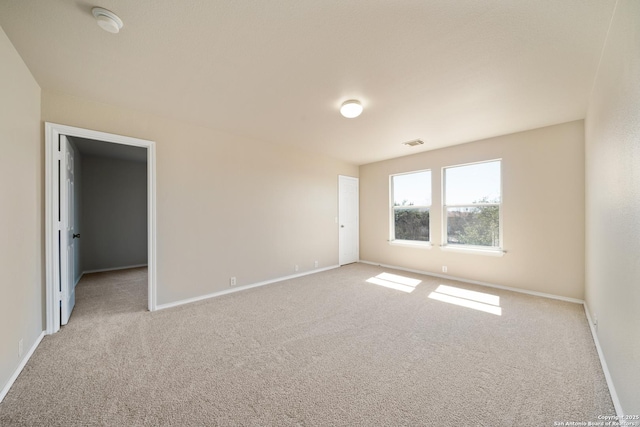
(411, 224)
(467, 185)
(479, 226)
(412, 189)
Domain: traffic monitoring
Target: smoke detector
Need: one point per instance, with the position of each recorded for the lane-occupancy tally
(107, 20)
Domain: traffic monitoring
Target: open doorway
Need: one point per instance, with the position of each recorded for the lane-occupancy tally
(65, 148)
(110, 214)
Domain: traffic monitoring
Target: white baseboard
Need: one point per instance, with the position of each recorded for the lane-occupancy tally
(605, 368)
(100, 270)
(242, 288)
(20, 367)
(476, 282)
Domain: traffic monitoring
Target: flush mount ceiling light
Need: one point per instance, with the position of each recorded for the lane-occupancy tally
(351, 108)
(413, 143)
(107, 20)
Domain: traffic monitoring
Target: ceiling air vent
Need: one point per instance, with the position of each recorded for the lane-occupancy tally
(413, 143)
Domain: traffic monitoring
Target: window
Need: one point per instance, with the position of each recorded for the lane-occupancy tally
(410, 203)
(472, 200)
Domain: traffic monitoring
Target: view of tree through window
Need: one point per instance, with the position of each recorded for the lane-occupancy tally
(472, 204)
(411, 200)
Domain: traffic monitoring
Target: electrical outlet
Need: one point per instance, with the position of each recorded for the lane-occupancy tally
(315, 264)
(232, 281)
(295, 268)
(444, 268)
(20, 348)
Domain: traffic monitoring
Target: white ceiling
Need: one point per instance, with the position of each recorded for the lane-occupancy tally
(447, 71)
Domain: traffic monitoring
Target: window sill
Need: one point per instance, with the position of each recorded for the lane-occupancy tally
(473, 250)
(411, 244)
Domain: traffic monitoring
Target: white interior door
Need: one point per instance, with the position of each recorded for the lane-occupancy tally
(67, 231)
(348, 202)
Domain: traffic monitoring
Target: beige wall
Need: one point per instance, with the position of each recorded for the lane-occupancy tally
(543, 211)
(21, 214)
(226, 205)
(613, 204)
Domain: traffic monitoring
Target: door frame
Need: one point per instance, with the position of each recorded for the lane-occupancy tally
(341, 179)
(52, 251)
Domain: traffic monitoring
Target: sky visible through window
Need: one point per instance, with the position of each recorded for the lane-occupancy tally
(412, 188)
(472, 183)
(465, 185)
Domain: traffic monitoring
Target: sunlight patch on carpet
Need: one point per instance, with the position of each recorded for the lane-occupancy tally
(470, 299)
(394, 281)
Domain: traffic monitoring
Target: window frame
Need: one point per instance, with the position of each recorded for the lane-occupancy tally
(426, 244)
(465, 248)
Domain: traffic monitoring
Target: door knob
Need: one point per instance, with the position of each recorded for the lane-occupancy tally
(341, 226)
(76, 236)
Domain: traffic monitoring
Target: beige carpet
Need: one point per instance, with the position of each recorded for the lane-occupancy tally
(325, 349)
